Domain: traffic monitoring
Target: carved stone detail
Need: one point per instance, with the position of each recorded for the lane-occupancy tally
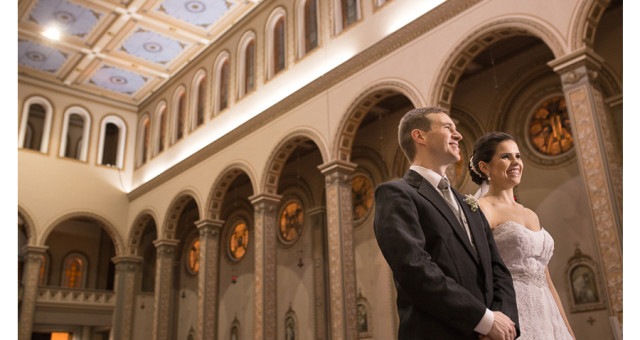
(127, 270)
(208, 278)
(33, 256)
(342, 278)
(165, 250)
(265, 265)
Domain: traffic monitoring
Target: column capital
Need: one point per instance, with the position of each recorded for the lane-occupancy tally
(166, 243)
(34, 249)
(337, 166)
(208, 222)
(265, 198)
(582, 57)
(126, 262)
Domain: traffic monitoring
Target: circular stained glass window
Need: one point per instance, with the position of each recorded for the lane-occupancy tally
(291, 219)
(193, 258)
(239, 240)
(361, 196)
(550, 128)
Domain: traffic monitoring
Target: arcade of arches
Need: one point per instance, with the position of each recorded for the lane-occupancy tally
(264, 230)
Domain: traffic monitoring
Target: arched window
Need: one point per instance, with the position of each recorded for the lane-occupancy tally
(179, 115)
(310, 26)
(246, 71)
(143, 140)
(276, 41)
(161, 128)
(349, 12)
(75, 133)
(199, 98)
(113, 134)
(36, 124)
(74, 271)
(222, 82)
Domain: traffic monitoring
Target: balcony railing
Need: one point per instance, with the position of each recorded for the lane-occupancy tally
(83, 298)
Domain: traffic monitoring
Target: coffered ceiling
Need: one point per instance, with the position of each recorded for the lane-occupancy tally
(120, 49)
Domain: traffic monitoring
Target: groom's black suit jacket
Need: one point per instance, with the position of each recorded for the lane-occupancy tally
(443, 286)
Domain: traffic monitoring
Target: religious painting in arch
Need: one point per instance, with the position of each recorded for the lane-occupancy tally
(238, 240)
(362, 196)
(291, 222)
(550, 128)
(193, 257)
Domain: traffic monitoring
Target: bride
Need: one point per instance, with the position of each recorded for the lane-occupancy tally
(524, 246)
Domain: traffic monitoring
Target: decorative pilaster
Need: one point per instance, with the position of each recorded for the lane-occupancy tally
(127, 271)
(342, 269)
(208, 278)
(31, 274)
(318, 226)
(165, 250)
(265, 211)
(600, 161)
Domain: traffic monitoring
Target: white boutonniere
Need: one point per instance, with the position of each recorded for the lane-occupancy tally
(472, 201)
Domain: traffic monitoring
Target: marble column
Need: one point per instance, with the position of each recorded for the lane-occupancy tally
(318, 227)
(162, 304)
(208, 278)
(127, 273)
(31, 276)
(342, 269)
(600, 161)
(265, 208)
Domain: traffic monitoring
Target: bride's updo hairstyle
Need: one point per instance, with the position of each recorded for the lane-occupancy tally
(483, 151)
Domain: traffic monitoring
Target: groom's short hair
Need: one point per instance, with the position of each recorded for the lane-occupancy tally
(417, 118)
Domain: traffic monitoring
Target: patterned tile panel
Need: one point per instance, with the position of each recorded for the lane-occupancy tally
(70, 18)
(152, 46)
(118, 80)
(196, 12)
(40, 57)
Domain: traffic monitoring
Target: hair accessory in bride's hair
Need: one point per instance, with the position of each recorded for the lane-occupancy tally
(473, 168)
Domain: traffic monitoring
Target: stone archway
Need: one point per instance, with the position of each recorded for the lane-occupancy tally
(585, 22)
(26, 221)
(138, 228)
(282, 152)
(103, 222)
(175, 209)
(361, 106)
(477, 41)
(222, 184)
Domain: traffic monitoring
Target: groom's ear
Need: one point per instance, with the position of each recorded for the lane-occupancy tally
(418, 136)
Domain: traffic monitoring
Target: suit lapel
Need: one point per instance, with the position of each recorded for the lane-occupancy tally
(432, 195)
(477, 230)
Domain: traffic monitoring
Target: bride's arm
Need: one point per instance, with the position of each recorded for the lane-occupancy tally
(556, 297)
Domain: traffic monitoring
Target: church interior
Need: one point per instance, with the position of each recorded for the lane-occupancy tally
(205, 169)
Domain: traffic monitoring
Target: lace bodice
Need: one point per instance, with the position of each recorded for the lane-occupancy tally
(526, 253)
(523, 250)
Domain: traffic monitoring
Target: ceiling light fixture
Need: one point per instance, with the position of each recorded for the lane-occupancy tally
(52, 33)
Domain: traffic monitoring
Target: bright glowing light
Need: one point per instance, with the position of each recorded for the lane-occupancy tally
(408, 14)
(52, 33)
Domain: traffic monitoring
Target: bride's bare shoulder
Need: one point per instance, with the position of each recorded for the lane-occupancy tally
(532, 219)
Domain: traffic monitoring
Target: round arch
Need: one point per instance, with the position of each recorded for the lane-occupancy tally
(104, 223)
(360, 107)
(585, 23)
(29, 226)
(139, 224)
(222, 183)
(480, 38)
(175, 209)
(283, 150)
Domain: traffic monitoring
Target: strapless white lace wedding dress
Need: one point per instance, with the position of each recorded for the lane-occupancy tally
(526, 253)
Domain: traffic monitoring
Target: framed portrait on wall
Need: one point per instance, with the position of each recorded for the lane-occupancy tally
(583, 280)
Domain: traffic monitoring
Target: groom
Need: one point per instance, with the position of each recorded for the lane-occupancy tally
(450, 279)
